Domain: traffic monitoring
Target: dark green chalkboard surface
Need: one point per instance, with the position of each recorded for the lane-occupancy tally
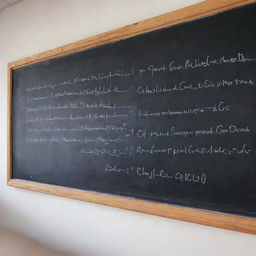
(166, 116)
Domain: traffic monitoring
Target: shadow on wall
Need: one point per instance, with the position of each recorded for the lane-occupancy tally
(7, 3)
(12, 243)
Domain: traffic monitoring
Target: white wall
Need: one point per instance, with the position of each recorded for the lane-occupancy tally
(80, 228)
(12, 244)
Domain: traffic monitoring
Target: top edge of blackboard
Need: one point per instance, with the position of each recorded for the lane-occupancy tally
(220, 13)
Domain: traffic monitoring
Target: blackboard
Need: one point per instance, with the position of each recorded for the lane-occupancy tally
(166, 116)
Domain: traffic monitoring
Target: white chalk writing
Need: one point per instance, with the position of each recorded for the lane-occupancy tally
(218, 107)
(185, 86)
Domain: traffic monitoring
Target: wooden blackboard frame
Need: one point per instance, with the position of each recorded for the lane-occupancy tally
(210, 218)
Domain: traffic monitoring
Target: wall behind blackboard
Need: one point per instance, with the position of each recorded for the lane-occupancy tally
(138, 165)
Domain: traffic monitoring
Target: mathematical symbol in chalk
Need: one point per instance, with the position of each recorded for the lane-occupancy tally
(142, 70)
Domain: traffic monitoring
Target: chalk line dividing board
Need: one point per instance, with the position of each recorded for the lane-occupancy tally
(161, 122)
